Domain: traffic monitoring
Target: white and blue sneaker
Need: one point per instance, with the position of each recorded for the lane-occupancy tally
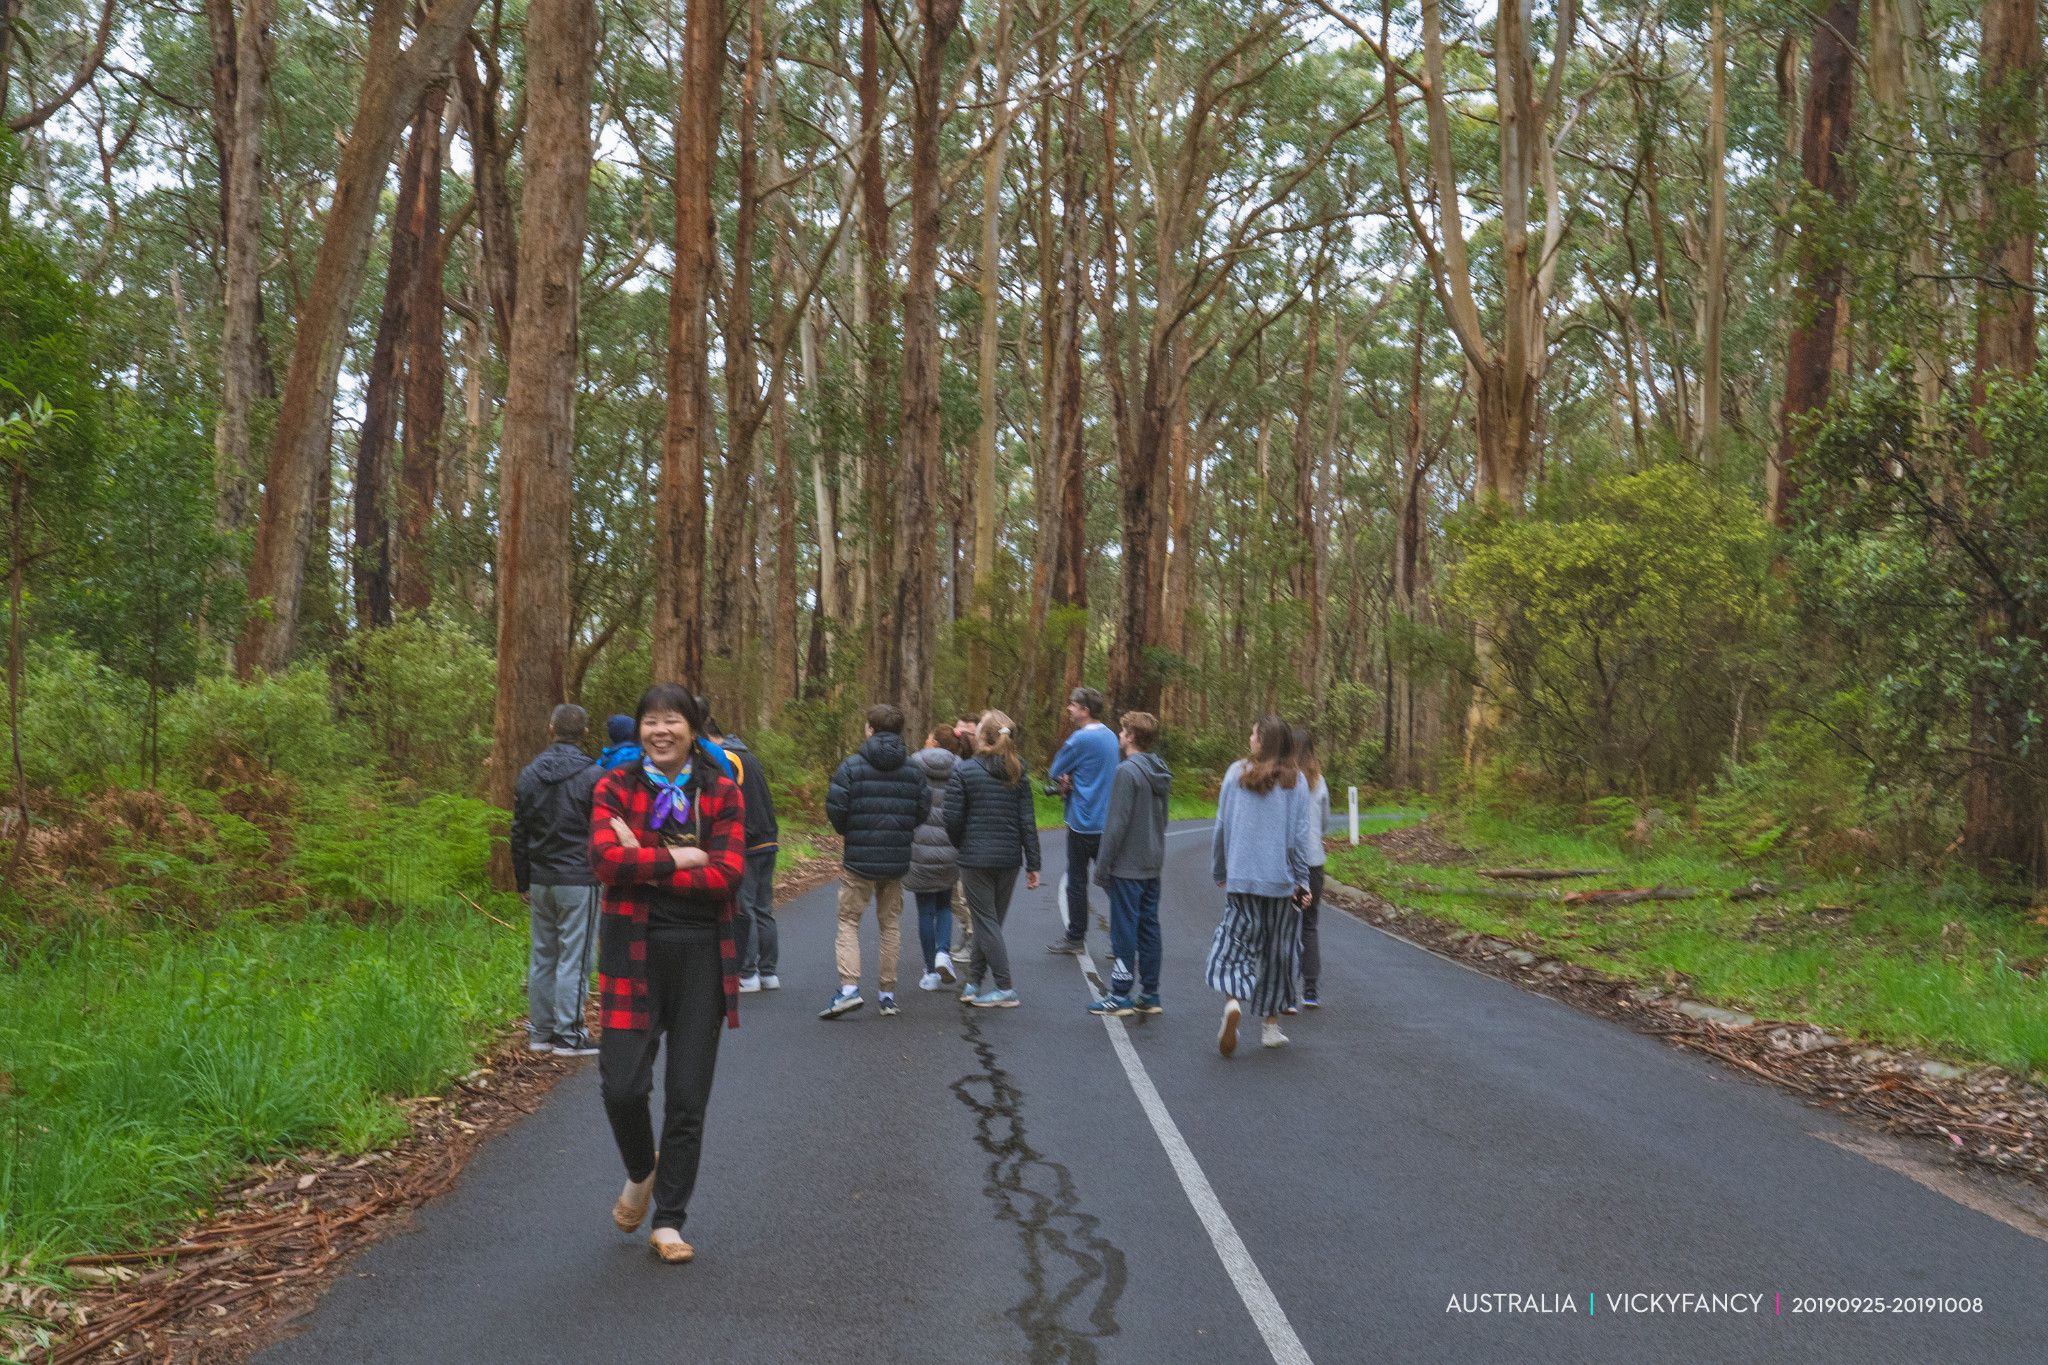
(968, 992)
(847, 1001)
(888, 1004)
(996, 1000)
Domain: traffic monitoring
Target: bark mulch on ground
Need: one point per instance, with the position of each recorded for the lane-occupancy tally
(235, 1281)
(1982, 1116)
(1421, 843)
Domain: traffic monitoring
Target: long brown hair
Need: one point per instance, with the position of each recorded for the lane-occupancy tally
(1273, 764)
(994, 737)
(1305, 756)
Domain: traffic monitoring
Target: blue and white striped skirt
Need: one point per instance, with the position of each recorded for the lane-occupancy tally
(1256, 955)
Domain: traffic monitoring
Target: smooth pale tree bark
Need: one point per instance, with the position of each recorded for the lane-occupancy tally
(1809, 369)
(914, 613)
(1506, 371)
(426, 362)
(537, 450)
(982, 563)
(242, 59)
(2002, 815)
(679, 509)
(1715, 286)
(394, 78)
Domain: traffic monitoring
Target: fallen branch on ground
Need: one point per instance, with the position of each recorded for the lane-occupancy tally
(1545, 874)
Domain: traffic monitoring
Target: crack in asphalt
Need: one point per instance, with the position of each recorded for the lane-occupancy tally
(1068, 1263)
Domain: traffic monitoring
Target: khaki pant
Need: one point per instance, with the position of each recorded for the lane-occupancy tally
(853, 903)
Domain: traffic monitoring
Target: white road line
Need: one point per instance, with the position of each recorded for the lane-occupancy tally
(1267, 1314)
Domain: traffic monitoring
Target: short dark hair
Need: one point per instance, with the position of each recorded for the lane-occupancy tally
(885, 718)
(1143, 727)
(1089, 700)
(569, 722)
(671, 697)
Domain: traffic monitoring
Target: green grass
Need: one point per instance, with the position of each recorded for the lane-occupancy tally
(142, 1069)
(1052, 811)
(1888, 957)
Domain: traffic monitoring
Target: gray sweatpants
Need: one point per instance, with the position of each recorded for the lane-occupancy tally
(564, 924)
(988, 891)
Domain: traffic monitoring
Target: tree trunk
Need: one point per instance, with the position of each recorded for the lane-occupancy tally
(490, 155)
(1715, 287)
(536, 472)
(982, 559)
(679, 510)
(914, 613)
(1830, 110)
(426, 366)
(875, 477)
(724, 636)
(393, 81)
(2002, 825)
(241, 80)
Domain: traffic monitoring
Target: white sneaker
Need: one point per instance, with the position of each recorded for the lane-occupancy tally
(929, 982)
(942, 967)
(750, 984)
(771, 983)
(1271, 1036)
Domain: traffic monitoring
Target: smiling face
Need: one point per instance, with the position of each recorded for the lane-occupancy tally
(1078, 714)
(666, 736)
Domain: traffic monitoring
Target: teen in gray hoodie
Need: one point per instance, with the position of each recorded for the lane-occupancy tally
(1133, 851)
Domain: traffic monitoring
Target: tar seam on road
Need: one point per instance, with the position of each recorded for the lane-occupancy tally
(1267, 1314)
(1051, 1224)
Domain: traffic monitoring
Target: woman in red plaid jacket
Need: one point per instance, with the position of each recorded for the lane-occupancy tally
(668, 840)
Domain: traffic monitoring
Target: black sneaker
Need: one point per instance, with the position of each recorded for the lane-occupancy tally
(579, 1046)
(1072, 947)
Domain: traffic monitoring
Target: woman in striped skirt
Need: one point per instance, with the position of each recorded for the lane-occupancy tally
(1260, 857)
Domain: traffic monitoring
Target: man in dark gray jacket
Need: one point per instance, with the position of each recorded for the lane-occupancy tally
(1133, 852)
(876, 801)
(551, 865)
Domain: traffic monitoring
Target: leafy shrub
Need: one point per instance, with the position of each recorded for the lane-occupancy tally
(1627, 627)
(81, 723)
(425, 694)
(284, 722)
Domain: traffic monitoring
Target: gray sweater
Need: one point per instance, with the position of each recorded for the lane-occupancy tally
(1134, 832)
(1319, 822)
(1262, 840)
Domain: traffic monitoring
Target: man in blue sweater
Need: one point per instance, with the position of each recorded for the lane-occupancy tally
(1084, 768)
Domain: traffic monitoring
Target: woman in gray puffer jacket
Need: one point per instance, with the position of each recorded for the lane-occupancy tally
(934, 865)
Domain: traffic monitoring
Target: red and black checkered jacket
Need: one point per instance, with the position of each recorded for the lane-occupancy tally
(633, 877)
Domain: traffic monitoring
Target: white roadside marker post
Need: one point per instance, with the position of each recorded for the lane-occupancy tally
(1354, 817)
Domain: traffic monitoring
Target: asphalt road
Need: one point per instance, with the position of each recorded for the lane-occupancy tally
(959, 1185)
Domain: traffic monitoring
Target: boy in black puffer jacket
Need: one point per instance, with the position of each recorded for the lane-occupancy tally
(876, 801)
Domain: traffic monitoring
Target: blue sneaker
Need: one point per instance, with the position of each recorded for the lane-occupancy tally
(889, 1010)
(996, 1000)
(968, 992)
(1308, 997)
(846, 1002)
(1148, 1003)
(1113, 1003)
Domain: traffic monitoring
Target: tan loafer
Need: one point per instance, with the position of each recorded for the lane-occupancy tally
(676, 1252)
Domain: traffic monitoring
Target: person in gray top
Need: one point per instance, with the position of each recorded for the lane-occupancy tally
(1260, 856)
(1319, 823)
(934, 863)
(1133, 852)
(551, 867)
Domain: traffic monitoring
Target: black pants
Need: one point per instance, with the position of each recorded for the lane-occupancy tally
(686, 1002)
(1081, 851)
(1311, 933)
